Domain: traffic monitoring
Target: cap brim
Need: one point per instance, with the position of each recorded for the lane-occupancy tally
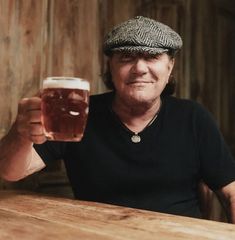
(137, 49)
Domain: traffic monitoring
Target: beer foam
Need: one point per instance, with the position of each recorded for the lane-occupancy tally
(66, 82)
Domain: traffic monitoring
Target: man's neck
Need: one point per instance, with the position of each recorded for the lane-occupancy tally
(136, 116)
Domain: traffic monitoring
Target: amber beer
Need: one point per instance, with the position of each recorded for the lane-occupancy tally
(65, 108)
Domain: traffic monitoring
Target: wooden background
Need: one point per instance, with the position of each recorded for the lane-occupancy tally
(40, 38)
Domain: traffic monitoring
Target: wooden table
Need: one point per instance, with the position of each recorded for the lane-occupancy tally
(33, 216)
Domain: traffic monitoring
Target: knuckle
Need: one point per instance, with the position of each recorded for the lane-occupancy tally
(22, 106)
(35, 100)
(38, 139)
(36, 129)
(29, 104)
(33, 103)
(34, 116)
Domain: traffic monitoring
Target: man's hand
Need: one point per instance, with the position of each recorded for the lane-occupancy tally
(28, 122)
(227, 195)
(18, 159)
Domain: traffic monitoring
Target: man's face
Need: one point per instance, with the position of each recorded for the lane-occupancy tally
(140, 77)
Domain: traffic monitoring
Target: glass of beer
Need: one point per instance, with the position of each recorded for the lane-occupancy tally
(65, 108)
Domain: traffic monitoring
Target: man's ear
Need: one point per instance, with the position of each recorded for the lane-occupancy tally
(171, 65)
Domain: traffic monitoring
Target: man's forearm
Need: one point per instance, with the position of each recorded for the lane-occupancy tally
(227, 197)
(17, 157)
(232, 210)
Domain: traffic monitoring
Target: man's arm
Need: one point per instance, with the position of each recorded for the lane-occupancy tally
(18, 159)
(227, 195)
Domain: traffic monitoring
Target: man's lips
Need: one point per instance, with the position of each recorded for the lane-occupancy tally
(138, 82)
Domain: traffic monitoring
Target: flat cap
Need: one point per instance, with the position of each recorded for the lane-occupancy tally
(141, 34)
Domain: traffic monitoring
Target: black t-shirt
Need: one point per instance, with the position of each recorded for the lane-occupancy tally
(161, 173)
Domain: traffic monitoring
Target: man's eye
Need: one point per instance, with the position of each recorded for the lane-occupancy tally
(126, 58)
(157, 56)
(153, 57)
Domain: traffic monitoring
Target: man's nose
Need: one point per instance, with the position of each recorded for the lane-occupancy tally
(139, 66)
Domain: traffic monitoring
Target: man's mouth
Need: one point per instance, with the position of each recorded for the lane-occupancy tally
(138, 82)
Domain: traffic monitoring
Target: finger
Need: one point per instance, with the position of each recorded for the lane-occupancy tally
(22, 106)
(39, 139)
(34, 116)
(36, 129)
(37, 133)
(34, 103)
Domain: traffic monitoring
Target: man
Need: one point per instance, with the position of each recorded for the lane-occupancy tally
(141, 149)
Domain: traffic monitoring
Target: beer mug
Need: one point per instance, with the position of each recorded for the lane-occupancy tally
(65, 108)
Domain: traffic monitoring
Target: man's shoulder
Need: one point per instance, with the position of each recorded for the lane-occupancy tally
(101, 97)
(182, 103)
(101, 101)
(179, 106)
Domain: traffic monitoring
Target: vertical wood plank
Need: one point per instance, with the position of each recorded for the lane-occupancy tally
(22, 43)
(6, 65)
(204, 54)
(75, 39)
(225, 73)
(21, 50)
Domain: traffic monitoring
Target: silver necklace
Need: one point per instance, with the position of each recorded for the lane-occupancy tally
(135, 138)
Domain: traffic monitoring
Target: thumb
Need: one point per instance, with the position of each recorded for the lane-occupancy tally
(22, 105)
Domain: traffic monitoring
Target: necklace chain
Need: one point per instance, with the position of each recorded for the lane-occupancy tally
(135, 138)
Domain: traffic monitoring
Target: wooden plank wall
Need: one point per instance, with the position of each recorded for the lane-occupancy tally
(57, 37)
(74, 28)
(43, 38)
(39, 39)
(20, 50)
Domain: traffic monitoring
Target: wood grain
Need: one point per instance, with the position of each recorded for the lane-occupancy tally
(22, 24)
(75, 39)
(32, 214)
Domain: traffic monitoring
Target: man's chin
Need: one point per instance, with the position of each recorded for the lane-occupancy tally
(139, 98)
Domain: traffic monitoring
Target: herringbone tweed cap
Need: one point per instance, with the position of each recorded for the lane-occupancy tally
(141, 34)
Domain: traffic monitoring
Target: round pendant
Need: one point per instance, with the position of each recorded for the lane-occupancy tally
(135, 138)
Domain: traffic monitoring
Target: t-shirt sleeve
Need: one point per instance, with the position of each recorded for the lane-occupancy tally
(50, 151)
(216, 162)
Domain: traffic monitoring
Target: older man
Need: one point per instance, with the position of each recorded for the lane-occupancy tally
(141, 148)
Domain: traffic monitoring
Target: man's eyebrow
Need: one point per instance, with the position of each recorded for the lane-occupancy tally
(127, 54)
